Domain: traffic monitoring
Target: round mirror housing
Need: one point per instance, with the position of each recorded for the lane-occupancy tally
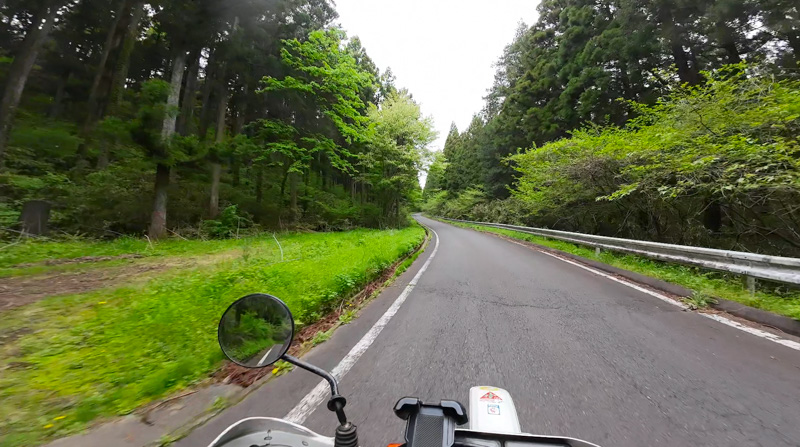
(256, 330)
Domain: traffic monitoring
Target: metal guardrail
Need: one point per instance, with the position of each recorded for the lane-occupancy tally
(752, 265)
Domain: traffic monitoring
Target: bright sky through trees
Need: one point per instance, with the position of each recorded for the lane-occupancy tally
(441, 50)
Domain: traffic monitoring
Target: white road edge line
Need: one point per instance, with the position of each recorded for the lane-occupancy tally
(261, 362)
(719, 318)
(315, 397)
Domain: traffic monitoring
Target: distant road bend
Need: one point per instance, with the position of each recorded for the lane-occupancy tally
(582, 356)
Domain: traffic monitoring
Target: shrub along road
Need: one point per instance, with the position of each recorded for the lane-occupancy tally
(582, 356)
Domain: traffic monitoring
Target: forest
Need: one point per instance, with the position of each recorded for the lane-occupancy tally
(198, 118)
(671, 121)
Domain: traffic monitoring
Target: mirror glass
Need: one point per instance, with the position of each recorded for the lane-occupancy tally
(256, 330)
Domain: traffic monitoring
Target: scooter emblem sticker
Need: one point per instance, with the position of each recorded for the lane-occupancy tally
(490, 396)
(493, 409)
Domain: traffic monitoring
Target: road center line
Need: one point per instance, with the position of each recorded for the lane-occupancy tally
(718, 318)
(316, 396)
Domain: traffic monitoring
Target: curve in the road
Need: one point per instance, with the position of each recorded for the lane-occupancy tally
(581, 355)
(321, 392)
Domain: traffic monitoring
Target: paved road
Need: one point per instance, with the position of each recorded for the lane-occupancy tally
(581, 355)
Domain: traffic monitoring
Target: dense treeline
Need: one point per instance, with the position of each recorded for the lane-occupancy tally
(129, 115)
(639, 119)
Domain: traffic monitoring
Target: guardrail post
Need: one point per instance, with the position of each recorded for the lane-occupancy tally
(597, 251)
(751, 284)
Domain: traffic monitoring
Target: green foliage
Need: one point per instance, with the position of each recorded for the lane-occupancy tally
(328, 78)
(283, 110)
(600, 66)
(281, 367)
(728, 147)
(321, 337)
(53, 143)
(699, 301)
(348, 316)
(464, 168)
(400, 139)
(146, 128)
(8, 215)
(229, 224)
(84, 356)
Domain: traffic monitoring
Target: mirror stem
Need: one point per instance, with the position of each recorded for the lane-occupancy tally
(336, 402)
(318, 371)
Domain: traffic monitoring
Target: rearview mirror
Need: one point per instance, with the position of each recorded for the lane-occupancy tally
(256, 330)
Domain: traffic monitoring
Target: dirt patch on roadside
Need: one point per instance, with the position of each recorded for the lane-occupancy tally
(81, 260)
(18, 291)
(21, 290)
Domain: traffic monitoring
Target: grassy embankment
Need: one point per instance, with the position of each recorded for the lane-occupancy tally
(705, 283)
(67, 360)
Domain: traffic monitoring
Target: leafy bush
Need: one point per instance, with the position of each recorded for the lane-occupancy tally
(38, 145)
(717, 164)
(8, 215)
(229, 224)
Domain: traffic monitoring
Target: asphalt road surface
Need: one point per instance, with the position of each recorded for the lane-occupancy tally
(581, 355)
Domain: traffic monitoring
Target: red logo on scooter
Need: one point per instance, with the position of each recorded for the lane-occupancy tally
(490, 396)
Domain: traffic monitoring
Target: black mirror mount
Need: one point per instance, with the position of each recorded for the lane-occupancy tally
(337, 402)
(346, 434)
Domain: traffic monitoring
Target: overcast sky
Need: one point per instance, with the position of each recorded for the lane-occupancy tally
(441, 50)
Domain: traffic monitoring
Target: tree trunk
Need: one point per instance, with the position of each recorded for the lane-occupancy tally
(222, 111)
(282, 191)
(793, 37)
(293, 198)
(20, 69)
(727, 41)
(712, 216)
(397, 212)
(101, 72)
(58, 97)
(674, 35)
(236, 170)
(208, 84)
(213, 206)
(178, 66)
(189, 95)
(158, 221)
(216, 72)
(103, 158)
(238, 107)
(34, 217)
(216, 167)
(124, 60)
(686, 72)
(259, 184)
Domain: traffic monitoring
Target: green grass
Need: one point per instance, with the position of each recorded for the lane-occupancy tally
(68, 360)
(777, 299)
(321, 337)
(37, 252)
